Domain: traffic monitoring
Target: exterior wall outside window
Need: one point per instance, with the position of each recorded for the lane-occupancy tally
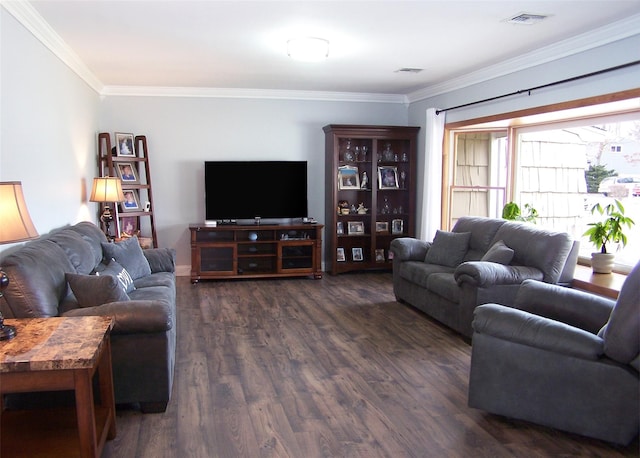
(547, 171)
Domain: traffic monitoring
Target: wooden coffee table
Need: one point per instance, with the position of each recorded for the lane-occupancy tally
(51, 354)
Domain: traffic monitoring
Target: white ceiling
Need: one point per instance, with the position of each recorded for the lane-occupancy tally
(242, 44)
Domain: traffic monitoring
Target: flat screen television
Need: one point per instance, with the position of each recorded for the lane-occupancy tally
(245, 190)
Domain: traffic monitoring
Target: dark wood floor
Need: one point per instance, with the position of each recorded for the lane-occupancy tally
(324, 368)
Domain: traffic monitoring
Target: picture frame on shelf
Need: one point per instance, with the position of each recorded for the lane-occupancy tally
(355, 228)
(131, 201)
(389, 255)
(356, 254)
(397, 226)
(124, 145)
(382, 226)
(379, 255)
(340, 228)
(340, 257)
(348, 177)
(128, 226)
(388, 177)
(127, 172)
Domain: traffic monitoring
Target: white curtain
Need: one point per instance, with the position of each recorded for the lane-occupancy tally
(432, 173)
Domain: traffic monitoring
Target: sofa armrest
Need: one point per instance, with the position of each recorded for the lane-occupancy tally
(571, 306)
(161, 259)
(132, 317)
(525, 328)
(409, 249)
(484, 274)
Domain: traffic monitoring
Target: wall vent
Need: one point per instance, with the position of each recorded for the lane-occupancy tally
(527, 18)
(409, 70)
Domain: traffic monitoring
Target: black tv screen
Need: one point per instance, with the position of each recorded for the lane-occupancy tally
(237, 190)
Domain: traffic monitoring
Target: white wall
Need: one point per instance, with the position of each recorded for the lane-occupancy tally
(48, 120)
(183, 132)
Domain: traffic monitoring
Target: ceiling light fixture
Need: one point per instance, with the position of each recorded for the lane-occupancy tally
(308, 49)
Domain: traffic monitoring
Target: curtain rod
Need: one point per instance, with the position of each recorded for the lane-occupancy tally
(528, 91)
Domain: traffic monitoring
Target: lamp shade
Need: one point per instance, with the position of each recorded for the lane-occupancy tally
(106, 189)
(15, 221)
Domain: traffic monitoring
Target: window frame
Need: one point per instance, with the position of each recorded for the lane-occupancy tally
(540, 118)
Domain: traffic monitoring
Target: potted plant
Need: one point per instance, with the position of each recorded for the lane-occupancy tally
(511, 211)
(609, 230)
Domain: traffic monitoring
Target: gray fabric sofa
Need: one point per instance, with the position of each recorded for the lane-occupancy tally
(50, 277)
(447, 281)
(561, 358)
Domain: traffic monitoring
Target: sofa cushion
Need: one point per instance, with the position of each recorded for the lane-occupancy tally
(115, 269)
(621, 334)
(418, 272)
(93, 235)
(94, 290)
(448, 248)
(444, 285)
(499, 253)
(37, 279)
(482, 230)
(128, 254)
(77, 250)
(533, 246)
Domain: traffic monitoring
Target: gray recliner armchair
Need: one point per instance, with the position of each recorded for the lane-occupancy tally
(561, 358)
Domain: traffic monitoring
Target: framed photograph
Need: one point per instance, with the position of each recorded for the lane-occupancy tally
(379, 255)
(348, 177)
(389, 255)
(397, 226)
(382, 226)
(356, 253)
(355, 228)
(131, 201)
(127, 172)
(128, 226)
(340, 257)
(124, 145)
(340, 228)
(388, 178)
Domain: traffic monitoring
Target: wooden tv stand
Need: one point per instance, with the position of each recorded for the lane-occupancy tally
(255, 251)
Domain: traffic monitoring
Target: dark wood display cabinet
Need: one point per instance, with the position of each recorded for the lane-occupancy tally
(370, 194)
(255, 251)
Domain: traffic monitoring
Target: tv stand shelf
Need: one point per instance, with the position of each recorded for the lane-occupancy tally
(255, 251)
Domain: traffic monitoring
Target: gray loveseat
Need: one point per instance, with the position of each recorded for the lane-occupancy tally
(481, 260)
(562, 358)
(50, 277)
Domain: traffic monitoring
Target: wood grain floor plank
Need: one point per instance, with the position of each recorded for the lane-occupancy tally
(335, 367)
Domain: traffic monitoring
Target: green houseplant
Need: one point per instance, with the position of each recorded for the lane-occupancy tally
(609, 230)
(511, 211)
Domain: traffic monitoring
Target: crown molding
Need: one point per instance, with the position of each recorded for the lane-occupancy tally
(244, 93)
(34, 23)
(27, 15)
(611, 33)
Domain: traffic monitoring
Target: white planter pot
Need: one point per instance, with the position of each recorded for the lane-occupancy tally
(602, 263)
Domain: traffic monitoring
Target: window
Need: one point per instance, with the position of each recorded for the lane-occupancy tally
(561, 167)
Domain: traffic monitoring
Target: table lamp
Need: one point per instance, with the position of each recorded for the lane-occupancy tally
(106, 190)
(15, 226)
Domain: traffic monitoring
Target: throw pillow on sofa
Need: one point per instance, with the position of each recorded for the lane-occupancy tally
(116, 270)
(129, 255)
(499, 253)
(448, 248)
(93, 290)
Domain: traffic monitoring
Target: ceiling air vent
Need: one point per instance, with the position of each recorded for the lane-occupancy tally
(409, 70)
(527, 18)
